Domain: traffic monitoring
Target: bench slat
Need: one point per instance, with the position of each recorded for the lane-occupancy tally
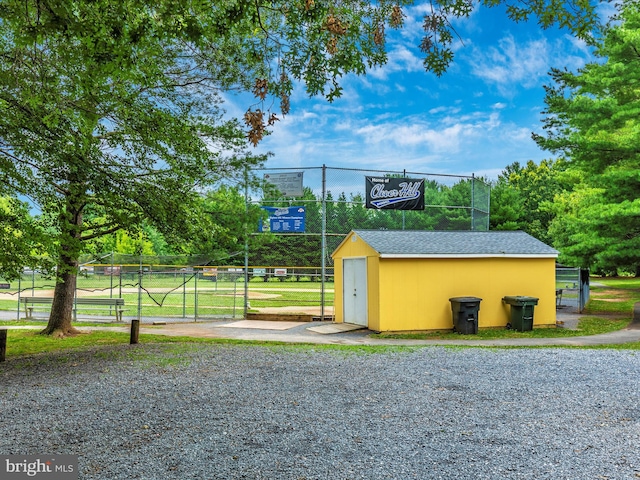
(36, 300)
(78, 301)
(105, 302)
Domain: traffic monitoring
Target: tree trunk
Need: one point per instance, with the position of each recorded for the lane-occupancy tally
(66, 273)
(62, 307)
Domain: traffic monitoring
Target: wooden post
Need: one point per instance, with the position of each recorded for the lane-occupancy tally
(3, 344)
(636, 314)
(135, 330)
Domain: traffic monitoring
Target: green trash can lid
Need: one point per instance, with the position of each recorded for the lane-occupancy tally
(519, 300)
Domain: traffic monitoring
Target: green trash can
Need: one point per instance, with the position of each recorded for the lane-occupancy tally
(465, 314)
(521, 312)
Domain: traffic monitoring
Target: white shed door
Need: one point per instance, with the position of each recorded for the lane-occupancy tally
(354, 290)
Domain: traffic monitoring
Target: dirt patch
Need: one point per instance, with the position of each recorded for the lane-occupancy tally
(620, 295)
(606, 292)
(252, 295)
(260, 295)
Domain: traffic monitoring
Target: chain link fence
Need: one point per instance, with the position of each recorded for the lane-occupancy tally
(572, 288)
(334, 202)
(286, 270)
(149, 290)
(177, 292)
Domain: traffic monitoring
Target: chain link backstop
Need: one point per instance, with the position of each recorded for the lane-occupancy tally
(283, 272)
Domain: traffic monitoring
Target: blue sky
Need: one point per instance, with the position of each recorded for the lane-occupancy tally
(476, 118)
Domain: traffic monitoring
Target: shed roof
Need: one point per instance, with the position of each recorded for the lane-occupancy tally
(437, 244)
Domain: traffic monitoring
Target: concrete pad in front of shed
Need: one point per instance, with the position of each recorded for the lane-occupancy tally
(335, 328)
(263, 324)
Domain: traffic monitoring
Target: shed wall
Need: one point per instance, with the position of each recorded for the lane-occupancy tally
(406, 294)
(414, 293)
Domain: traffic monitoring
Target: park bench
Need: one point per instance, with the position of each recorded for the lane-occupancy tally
(112, 304)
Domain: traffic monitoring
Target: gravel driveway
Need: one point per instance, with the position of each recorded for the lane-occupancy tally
(233, 412)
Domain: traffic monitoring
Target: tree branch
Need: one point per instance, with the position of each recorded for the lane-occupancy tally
(101, 232)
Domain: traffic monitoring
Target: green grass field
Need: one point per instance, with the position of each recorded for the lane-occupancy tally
(587, 326)
(180, 295)
(610, 309)
(613, 296)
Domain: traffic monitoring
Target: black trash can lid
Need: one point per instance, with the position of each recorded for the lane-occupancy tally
(465, 299)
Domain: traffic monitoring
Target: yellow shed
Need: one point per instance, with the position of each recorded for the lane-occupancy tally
(403, 280)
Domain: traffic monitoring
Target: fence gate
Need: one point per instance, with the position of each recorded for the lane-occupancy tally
(572, 288)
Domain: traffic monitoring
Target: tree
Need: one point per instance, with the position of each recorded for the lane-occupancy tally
(592, 119)
(572, 230)
(457, 196)
(226, 220)
(129, 244)
(520, 197)
(111, 110)
(23, 239)
(110, 119)
(506, 206)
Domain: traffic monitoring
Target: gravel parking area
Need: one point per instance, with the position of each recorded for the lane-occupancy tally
(207, 411)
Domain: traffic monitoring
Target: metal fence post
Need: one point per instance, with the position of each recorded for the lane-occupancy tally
(234, 279)
(19, 292)
(246, 244)
(140, 291)
(473, 203)
(184, 294)
(323, 247)
(195, 298)
(404, 217)
(111, 278)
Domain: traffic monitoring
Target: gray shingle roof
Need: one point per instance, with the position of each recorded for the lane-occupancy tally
(433, 243)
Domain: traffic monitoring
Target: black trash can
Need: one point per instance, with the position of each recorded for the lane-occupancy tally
(521, 312)
(465, 314)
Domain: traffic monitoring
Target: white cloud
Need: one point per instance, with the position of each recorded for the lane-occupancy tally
(511, 64)
(401, 58)
(443, 109)
(575, 53)
(446, 140)
(413, 135)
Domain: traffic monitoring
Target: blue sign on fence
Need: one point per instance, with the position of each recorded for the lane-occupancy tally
(284, 220)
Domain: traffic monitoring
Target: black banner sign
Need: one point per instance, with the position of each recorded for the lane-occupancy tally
(395, 193)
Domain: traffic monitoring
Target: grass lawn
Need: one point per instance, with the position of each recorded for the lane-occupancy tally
(613, 296)
(587, 326)
(610, 309)
(30, 344)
